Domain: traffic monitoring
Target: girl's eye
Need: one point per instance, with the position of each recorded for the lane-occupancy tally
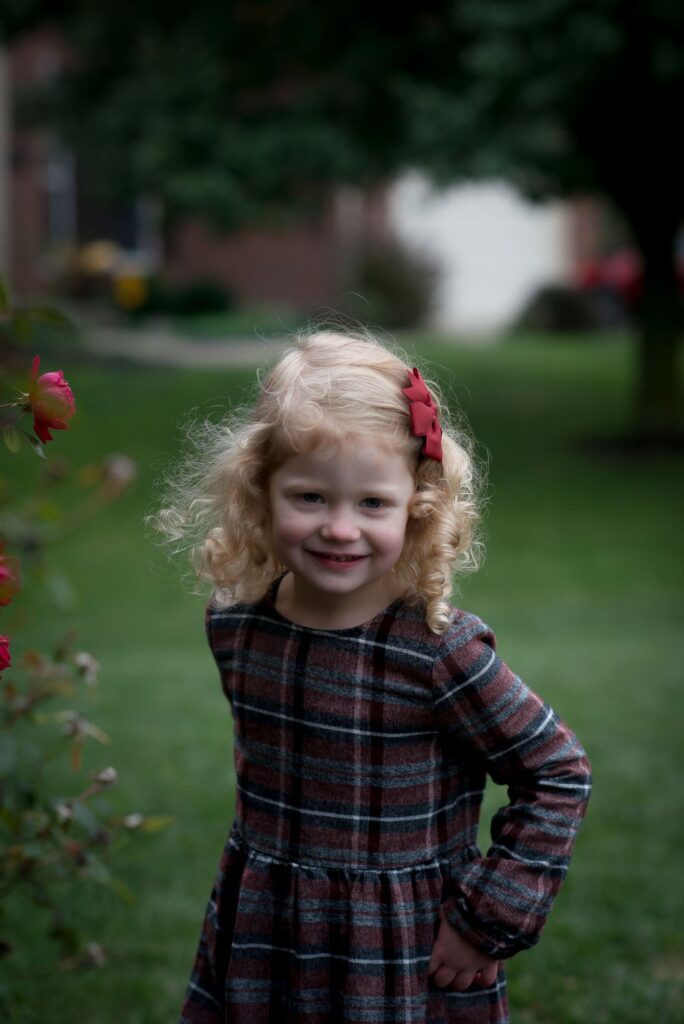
(310, 497)
(374, 502)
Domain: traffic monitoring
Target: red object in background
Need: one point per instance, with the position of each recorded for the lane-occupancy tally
(622, 273)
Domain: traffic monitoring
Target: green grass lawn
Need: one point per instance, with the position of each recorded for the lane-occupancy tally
(582, 585)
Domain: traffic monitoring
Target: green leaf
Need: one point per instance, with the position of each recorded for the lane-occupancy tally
(34, 850)
(61, 591)
(66, 934)
(26, 322)
(85, 817)
(35, 444)
(96, 871)
(48, 315)
(123, 891)
(8, 753)
(49, 511)
(21, 326)
(37, 821)
(12, 438)
(40, 895)
(155, 824)
(8, 817)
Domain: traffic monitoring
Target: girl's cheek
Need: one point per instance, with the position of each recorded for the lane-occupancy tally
(290, 530)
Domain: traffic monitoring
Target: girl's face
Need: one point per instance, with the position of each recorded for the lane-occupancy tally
(338, 519)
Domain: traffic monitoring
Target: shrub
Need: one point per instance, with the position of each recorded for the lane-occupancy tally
(392, 286)
(182, 299)
(53, 833)
(557, 309)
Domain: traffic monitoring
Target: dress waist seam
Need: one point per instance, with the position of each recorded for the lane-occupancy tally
(457, 854)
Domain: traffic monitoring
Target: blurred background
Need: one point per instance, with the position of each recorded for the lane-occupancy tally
(495, 185)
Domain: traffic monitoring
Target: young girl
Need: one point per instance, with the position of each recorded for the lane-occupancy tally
(367, 712)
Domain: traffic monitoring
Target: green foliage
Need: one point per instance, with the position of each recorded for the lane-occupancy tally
(230, 109)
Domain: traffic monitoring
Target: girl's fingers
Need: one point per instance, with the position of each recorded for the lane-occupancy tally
(444, 976)
(435, 961)
(463, 980)
(488, 974)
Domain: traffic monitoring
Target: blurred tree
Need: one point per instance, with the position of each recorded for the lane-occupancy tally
(231, 109)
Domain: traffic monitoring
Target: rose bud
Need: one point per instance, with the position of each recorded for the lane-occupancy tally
(107, 777)
(134, 820)
(51, 401)
(9, 577)
(88, 666)
(118, 472)
(5, 659)
(64, 813)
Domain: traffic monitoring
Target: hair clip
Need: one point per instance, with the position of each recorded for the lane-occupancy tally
(424, 419)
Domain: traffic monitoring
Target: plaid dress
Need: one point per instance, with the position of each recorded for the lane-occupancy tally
(361, 756)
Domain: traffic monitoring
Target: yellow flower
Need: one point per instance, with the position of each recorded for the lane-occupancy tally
(130, 291)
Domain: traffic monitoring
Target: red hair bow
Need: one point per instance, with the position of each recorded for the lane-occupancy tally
(424, 415)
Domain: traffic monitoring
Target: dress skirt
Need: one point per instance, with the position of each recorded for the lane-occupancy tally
(295, 943)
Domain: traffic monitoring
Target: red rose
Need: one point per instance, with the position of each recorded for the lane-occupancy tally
(9, 577)
(51, 401)
(5, 660)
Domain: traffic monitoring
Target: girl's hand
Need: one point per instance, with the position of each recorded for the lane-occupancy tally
(455, 963)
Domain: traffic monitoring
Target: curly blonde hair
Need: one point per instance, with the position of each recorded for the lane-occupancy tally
(327, 387)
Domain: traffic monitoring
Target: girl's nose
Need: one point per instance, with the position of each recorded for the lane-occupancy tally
(341, 527)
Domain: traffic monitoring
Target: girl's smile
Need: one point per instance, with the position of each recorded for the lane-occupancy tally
(337, 561)
(338, 520)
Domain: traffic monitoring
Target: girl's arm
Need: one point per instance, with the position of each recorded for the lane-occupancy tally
(499, 902)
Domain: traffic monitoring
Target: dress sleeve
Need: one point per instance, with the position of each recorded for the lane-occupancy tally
(499, 902)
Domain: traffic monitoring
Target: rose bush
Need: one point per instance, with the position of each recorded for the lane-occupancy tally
(48, 841)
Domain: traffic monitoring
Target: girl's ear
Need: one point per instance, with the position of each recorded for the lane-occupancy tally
(422, 503)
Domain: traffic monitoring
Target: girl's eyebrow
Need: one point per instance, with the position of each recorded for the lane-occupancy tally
(312, 484)
(303, 482)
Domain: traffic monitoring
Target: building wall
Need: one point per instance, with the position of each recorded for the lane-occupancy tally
(39, 186)
(306, 266)
(292, 268)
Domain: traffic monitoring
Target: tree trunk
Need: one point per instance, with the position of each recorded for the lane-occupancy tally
(660, 322)
(659, 387)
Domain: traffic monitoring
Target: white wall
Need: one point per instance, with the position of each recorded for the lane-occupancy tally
(494, 248)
